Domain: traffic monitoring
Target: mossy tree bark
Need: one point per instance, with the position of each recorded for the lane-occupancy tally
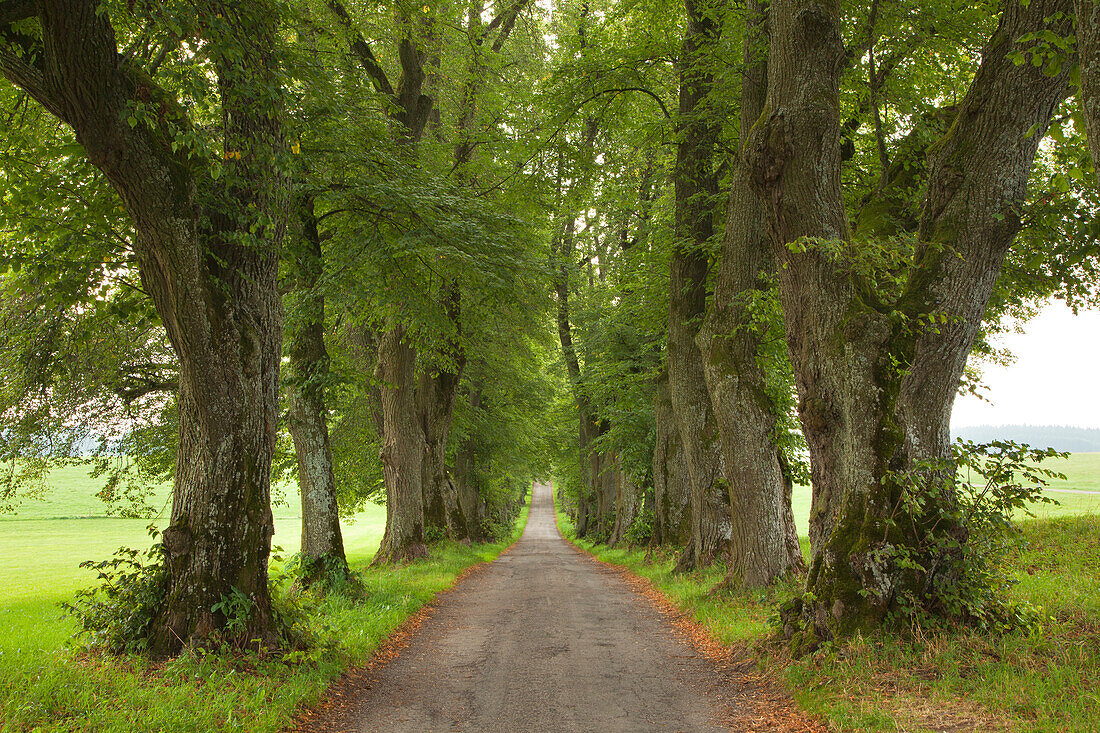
(671, 483)
(216, 295)
(403, 449)
(877, 370)
(307, 414)
(465, 475)
(628, 500)
(1088, 49)
(696, 198)
(437, 392)
(763, 539)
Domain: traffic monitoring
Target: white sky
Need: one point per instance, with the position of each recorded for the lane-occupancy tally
(1054, 381)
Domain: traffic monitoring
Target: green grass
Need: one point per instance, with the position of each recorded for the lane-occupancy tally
(1045, 680)
(45, 686)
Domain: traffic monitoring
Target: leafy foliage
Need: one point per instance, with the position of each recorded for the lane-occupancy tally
(979, 491)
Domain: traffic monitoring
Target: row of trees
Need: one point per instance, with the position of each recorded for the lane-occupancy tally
(251, 237)
(847, 202)
(338, 239)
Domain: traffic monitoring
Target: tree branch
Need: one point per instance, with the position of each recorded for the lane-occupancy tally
(361, 49)
(505, 21)
(621, 90)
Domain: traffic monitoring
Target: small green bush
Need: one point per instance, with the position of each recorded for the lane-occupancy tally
(115, 615)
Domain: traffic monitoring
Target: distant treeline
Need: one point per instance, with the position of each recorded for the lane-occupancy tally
(1059, 437)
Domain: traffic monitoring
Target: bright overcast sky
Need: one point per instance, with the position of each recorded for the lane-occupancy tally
(1054, 381)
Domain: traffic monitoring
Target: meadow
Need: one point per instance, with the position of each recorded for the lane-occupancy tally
(47, 685)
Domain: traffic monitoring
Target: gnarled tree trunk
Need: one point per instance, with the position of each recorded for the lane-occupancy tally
(403, 449)
(696, 195)
(877, 372)
(217, 298)
(760, 512)
(442, 509)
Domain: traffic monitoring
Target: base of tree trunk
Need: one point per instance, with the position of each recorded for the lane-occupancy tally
(325, 572)
(407, 552)
(174, 631)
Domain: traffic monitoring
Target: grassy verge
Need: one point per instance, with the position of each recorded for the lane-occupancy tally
(46, 687)
(958, 680)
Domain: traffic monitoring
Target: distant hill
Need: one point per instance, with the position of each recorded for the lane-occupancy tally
(1059, 437)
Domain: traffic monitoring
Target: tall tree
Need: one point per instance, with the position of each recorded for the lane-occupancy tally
(207, 238)
(878, 359)
(696, 185)
(763, 539)
(307, 381)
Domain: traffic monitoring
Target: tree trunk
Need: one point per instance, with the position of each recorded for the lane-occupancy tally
(403, 450)
(307, 418)
(696, 196)
(588, 517)
(1088, 50)
(747, 418)
(877, 371)
(466, 474)
(627, 503)
(217, 297)
(442, 509)
(671, 483)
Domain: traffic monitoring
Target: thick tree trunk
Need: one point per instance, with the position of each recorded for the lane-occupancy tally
(696, 196)
(403, 449)
(729, 341)
(217, 298)
(307, 419)
(877, 372)
(437, 391)
(671, 483)
(442, 509)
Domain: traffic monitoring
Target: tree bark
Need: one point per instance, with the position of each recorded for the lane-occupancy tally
(403, 449)
(696, 194)
(217, 298)
(465, 477)
(307, 418)
(442, 510)
(1088, 51)
(877, 370)
(761, 519)
(627, 501)
(671, 483)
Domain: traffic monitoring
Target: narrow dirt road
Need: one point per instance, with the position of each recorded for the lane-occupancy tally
(543, 640)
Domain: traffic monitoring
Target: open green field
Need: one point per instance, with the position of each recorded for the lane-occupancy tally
(41, 548)
(43, 687)
(43, 544)
(1082, 471)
